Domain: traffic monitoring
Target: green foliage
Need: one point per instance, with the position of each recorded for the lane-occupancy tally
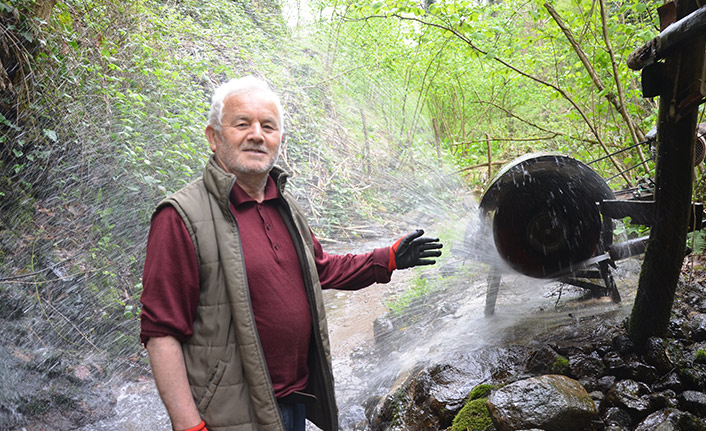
(696, 241)
(384, 100)
(560, 365)
(502, 77)
(112, 122)
(700, 356)
(418, 289)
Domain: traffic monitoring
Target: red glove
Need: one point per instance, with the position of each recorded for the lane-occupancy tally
(199, 427)
(411, 250)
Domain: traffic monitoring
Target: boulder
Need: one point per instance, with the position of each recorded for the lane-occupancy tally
(586, 366)
(549, 402)
(671, 420)
(631, 396)
(694, 402)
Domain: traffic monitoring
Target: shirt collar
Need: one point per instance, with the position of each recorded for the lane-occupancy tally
(239, 197)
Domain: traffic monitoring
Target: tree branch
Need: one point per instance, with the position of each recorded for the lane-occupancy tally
(617, 103)
(635, 133)
(536, 79)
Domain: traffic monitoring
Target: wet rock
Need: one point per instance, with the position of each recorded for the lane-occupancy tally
(693, 402)
(586, 366)
(675, 328)
(590, 385)
(642, 372)
(631, 396)
(597, 397)
(549, 402)
(693, 377)
(427, 400)
(617, 417)
(657, 356)
(663, 400)
(671, 420)
(605, 382)
(670, 381)
(542, 360)
(695, 327)
(623, 344)
(615, 364)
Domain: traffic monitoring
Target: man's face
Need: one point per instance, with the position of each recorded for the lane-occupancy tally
(250, 137)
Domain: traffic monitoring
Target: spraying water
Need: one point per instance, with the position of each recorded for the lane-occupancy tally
(374, 349)
(70, 354)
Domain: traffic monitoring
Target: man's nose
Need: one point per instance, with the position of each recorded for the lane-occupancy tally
(256, 132)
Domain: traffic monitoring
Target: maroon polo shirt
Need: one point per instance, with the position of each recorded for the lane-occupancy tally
(171, 282)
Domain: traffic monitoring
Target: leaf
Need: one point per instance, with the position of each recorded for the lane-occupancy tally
(8, 123)
(50, 134)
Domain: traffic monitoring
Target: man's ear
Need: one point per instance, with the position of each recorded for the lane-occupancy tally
(213, 136)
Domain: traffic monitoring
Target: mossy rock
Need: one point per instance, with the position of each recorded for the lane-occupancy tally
(473, 416)
(700, 357)
(480, 391)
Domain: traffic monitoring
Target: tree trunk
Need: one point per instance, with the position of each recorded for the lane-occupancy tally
(674, 180)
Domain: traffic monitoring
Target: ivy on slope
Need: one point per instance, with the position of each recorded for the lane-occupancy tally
(112, 121)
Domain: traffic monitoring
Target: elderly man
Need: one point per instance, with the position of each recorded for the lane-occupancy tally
(233, 318)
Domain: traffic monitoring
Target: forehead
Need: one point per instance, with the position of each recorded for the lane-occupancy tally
(253, 103)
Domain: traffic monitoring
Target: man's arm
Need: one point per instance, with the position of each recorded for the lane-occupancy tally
(169, 371)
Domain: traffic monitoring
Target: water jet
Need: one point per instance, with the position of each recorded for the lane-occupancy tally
(551, 217)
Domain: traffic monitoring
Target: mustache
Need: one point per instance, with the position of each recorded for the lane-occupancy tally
(255, 147)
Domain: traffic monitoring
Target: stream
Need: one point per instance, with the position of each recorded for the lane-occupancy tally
(371, 357)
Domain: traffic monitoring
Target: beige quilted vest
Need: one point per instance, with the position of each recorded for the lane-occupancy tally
(225, 363)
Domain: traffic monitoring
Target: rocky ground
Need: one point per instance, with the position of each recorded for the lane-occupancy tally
(663, 388)
(407, 371)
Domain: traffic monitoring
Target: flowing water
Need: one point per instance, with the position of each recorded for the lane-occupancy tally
(369, 363)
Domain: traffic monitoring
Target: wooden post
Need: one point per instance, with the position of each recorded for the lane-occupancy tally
(674, 181)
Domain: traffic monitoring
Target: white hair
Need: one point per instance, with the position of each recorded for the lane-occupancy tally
(242, 85)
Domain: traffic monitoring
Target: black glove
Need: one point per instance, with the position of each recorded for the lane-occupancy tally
(411, 250)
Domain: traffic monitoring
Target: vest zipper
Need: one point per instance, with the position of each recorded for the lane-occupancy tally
(236, 229)
(306, 274)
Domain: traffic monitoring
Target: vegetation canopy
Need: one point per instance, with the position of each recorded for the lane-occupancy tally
(393, 110)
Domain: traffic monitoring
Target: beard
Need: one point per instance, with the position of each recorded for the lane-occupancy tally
(238, 162)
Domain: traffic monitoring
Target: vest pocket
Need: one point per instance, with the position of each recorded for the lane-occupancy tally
(212, 386)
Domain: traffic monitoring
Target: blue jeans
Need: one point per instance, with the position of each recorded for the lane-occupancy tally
(293, 416)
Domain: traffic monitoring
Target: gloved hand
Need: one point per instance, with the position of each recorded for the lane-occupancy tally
(411, 250)
(199, 427)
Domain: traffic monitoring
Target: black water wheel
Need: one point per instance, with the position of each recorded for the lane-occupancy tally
(543, 213)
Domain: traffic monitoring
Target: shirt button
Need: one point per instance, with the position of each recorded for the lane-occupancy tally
(268, 227)
(276, 246)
